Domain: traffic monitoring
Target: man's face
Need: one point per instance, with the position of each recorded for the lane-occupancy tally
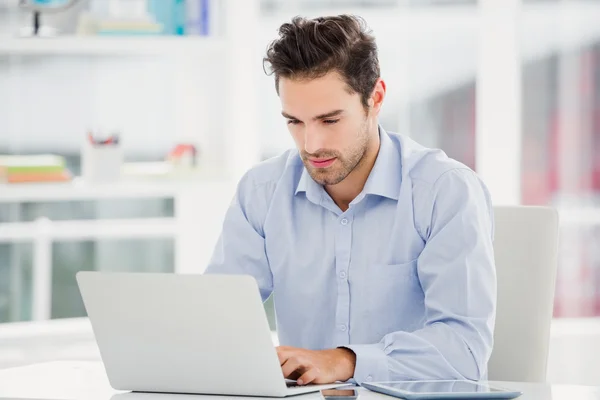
(328, 123)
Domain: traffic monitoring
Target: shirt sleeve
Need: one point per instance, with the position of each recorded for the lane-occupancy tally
(240, 248)
(457, 273)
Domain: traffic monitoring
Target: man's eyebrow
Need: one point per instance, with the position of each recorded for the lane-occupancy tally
(330, 114)
(288, 116)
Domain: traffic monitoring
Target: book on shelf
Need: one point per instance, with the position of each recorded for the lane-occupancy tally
(33, 168)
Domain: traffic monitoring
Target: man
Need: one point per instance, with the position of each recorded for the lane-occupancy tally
(378, 250)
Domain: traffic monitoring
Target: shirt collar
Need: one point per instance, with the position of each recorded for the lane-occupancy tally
(384, 179)
(314, 191)
(386, 175)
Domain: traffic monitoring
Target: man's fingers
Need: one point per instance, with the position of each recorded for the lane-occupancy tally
(290, 366)
(295, 365)
(283, 354)
(309, 376)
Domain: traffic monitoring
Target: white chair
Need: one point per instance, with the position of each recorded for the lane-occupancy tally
(525, 246)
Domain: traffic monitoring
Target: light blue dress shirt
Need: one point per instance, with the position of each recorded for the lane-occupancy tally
(405, 277)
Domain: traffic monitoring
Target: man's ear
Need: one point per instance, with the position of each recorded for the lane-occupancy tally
(377, 96)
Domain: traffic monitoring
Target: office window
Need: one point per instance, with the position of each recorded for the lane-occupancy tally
(156, 255)
(68, 257)
(15, 281)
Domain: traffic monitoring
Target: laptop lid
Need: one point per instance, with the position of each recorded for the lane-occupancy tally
(182, 333)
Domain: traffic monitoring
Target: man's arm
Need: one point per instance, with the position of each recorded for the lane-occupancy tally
(456, 270)
(241, 245)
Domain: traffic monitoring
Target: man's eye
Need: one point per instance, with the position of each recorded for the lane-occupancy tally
(293, 121)
(330, 121)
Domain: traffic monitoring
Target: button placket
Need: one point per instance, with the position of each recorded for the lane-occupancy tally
(343, 248)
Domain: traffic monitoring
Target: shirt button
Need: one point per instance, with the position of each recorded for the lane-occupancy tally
(369, 378)
(344, 221)
(343, 328)
(342, 274)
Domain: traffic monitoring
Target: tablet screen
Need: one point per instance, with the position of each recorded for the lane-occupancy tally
(441, 387)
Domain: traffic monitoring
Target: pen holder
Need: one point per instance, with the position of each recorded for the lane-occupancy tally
(101, 163)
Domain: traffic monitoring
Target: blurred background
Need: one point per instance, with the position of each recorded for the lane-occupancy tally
(125, 124)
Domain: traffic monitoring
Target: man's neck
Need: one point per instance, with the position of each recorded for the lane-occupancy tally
(347, 190)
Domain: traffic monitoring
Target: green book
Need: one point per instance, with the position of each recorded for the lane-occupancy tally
(45, 163)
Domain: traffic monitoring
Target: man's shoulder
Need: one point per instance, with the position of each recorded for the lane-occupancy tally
(272, 171)
(424, 165)
(434, 176)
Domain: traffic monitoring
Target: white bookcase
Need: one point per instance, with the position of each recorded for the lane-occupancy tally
(231, 149)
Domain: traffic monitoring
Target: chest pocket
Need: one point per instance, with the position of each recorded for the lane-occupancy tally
(389, 292)
(393, 284)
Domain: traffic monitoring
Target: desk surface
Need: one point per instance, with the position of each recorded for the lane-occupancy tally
(87, 380)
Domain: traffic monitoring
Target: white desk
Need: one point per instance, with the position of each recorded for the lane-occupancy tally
(87, 380)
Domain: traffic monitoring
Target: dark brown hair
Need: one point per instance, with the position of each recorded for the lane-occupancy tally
(310, 48)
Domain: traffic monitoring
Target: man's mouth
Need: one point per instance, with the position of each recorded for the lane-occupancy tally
(322, 163)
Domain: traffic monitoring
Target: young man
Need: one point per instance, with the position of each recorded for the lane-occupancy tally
(378, 250)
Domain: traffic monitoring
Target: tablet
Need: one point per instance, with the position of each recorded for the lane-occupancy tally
(432, 390)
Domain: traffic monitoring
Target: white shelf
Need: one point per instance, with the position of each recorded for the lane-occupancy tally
(122, 45)
(79, 190)
(89, 229)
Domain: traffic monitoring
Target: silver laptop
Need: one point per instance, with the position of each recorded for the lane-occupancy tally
(200, 334)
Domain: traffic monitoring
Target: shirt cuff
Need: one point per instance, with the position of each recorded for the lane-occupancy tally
(371, 363)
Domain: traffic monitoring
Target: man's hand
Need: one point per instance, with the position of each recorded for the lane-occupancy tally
(316, 366)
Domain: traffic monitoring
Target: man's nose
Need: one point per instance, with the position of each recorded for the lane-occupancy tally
(313, 140)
